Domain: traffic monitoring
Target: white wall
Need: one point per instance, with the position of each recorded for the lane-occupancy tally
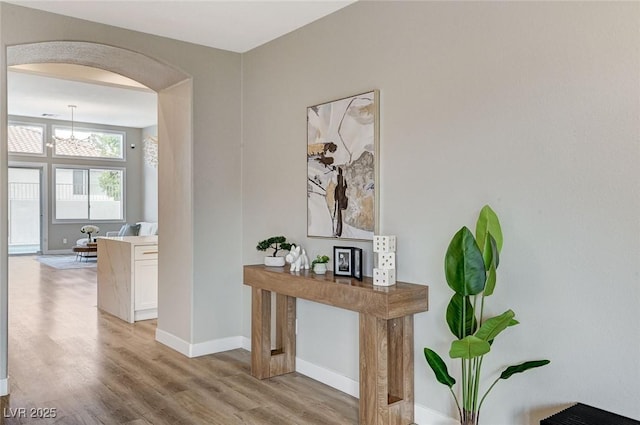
(530, 107)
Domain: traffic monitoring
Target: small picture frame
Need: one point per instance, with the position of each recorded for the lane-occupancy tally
(356, 266)
(347, 261)
(342, 261)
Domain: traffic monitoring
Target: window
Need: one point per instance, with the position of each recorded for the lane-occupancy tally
(89, 193)
(79, 182)
(25, 138)
(98, 144)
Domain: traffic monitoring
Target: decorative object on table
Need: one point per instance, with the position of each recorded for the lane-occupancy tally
(385, 273)
(298, 259)
(89, 229)
(276, 243)
(319, 265)
(342, 167)
(347, 261)
(356, 261)
(470, 269)
(342, 261)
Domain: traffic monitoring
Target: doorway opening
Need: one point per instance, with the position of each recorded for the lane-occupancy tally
(175, 185)
(25, 210)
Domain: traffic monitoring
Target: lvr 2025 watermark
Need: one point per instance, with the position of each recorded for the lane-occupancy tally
(32, 412)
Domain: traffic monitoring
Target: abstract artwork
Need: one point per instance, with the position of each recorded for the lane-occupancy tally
(342, 168)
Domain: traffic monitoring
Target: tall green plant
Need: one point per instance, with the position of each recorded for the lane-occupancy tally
(470, 269)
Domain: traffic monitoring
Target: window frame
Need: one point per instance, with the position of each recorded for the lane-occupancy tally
(88, 168)
(29, 124)
(90, 130)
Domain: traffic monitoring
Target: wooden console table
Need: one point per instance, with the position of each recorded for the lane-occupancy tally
(386, 333)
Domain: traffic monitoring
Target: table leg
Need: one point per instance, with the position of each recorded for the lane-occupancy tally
(266, 362)
(386, 371)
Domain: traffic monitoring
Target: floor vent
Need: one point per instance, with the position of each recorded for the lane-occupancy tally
(581, 414)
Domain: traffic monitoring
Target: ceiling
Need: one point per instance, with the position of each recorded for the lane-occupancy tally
(101, 97)
(104, 98)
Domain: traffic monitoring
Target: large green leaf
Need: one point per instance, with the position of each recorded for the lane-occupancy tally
(488, 223)
(492, 327)
(455, 313)
(439, 368)
(468, 348)
(523, 367)
(464, 266)
(490, 286)
(490, 253)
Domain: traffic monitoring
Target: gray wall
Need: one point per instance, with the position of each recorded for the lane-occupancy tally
(532, 107)
(133, 177)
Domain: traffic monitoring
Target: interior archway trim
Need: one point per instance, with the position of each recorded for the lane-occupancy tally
(148, 71)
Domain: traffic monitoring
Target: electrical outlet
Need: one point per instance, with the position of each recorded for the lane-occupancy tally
(64, 240)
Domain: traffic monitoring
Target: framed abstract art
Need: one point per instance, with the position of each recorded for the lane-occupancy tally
(342, 168)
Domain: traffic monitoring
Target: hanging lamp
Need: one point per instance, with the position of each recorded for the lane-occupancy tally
(71, 139)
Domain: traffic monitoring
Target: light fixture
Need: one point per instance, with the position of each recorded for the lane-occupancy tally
(72, 140)
(150, 148)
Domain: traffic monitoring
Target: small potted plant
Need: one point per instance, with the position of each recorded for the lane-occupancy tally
(319, 265)
(89, 229)
(277, 243)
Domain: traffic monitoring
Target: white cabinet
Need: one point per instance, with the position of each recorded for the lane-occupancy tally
(128, 277)
(145, 287)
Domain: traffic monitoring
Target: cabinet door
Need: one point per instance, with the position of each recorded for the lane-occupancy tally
(146, 284)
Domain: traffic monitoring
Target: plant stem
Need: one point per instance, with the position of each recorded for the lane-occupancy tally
(485, 394)
(457, 403)
(476, 407)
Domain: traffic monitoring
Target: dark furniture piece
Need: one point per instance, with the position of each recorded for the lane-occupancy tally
(581, 414)
(83, 251)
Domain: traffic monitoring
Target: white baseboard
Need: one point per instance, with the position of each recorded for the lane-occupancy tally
(423, 415)
(4, 386)
(246, 343)
(172, 341)
(328, 377)
(216, 346)
(57, 251)
(426, 416)
(198, 349)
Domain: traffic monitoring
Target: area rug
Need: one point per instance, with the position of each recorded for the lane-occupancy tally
(67, 261)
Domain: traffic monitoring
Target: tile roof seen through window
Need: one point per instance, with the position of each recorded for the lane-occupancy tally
(25, 139)
(30, 140)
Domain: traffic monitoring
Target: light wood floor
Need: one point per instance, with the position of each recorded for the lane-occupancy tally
(96, 369)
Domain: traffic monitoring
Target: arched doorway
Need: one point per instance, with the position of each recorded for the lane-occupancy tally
(174, 89)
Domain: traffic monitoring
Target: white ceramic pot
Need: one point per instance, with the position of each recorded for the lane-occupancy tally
(320, 268)
(274, 261)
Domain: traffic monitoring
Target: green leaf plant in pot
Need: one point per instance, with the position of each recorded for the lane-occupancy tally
(470, 269)
(276, 243)
(319, 265)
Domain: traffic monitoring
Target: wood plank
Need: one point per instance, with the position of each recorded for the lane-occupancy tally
(285, 359)
(361, 296)
(260, 333)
